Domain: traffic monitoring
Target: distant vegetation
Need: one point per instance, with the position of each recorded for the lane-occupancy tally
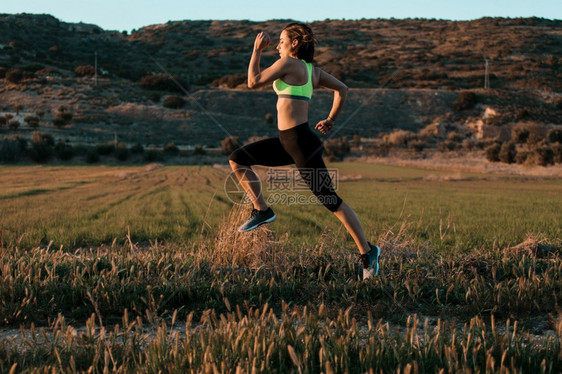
(523, 53)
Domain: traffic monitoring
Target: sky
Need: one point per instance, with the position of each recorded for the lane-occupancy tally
(133, 14)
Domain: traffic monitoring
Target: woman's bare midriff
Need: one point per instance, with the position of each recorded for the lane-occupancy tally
(291, 113)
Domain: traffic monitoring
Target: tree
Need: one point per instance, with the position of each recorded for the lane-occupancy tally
(62, 117)
(32, 121)
(14, 76)
(18, 108)
(229, 144)
(85, 71)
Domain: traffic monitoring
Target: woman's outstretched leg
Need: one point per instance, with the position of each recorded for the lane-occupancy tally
(250, 183)
(369, 253)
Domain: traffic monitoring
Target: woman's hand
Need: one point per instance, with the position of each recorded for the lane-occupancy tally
(262, 41)
(325, 125)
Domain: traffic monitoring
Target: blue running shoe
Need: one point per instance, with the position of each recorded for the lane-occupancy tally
(257, 218)
(371, 262)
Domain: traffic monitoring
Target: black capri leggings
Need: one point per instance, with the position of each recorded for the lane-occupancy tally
(299, 146)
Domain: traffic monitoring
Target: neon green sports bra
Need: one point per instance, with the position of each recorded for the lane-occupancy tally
(288, 91)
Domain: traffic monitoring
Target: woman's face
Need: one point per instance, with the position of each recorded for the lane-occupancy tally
(285, 46)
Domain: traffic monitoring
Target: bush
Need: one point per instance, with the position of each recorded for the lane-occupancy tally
(14, 124)
(493, 152)
(557, 150)
(398, 137)
(174, 102)
(163, 82)
(121, 152)
(3, 121)
(171, 149)
(337, 147)
(64, 151)
(85, 71)
(105, 149)
(416, 145)
(465, 100)
(507, 153)
(447, 145)
(137, 148)
(62, 117)
(151, 156)
(521, 157)
(42, 147)
(92, 156)
(519, 134)
(14, 76)
(229, 145)
(554, 136)
(32, 121)
(199, 150)
(541, 155)
(12, 149)
(230, 81)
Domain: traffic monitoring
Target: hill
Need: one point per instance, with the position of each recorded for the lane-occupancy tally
(183, 81)
(523, 53)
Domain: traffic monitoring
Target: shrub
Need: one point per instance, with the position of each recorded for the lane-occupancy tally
(12, 149)
(416, 145)
(229, 145)
(199, 150)
(32, 121)
(337, 147)
(507, 153)
(398, 137)
(42, 147)
(557, 150)
(2, 72)
(92, 156)
(230, 81)
(85, 71)
(14, 76)
(151, 156)
(521, 157)
(536, 132)
(105, 148)
(554, 136)
(14, 124)
(447, 145)
(173, 102)
(493, 152)
(519, 134)
(62, 117)
(163, 82)
(356, 140)
(171, 149)
(137, 148)
(3, 121)
(121, 152)
(64, 151)
(465, 100)
(541, 155)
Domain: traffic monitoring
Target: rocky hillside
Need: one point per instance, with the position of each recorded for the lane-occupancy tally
(522, 53)
(416, 83)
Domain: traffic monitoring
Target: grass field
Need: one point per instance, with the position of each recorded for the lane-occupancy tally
(140, 269)
(84, 206)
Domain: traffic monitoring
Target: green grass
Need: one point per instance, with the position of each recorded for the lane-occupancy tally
(81, 206)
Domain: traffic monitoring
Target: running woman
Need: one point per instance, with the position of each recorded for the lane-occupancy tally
(294, 78)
